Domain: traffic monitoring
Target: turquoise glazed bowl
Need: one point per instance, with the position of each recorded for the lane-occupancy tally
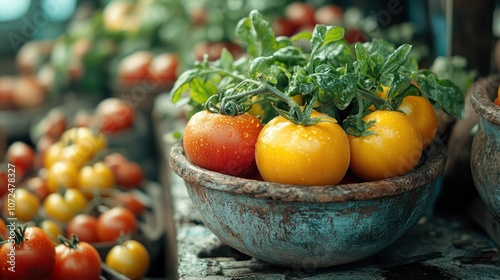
(310, 226)
(485, 152)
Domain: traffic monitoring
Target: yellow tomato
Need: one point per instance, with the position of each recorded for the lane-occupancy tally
(22, 205)
(52, 229)
(76, 155)
(419, 110)
(130, 259)
(53, 154)
(87, 139)
(394, 149)
(61, 175)
(97, 176)
(63, 206)
(302, 155)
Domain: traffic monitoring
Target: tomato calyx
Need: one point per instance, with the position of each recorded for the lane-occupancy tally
(236, 104)
(18, 235)
(72, 244)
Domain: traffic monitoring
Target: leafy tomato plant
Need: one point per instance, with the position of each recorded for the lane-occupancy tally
(345, 81)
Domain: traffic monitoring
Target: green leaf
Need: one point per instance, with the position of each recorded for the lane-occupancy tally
(444, 92)
(342, 89)
(182, 84)
(257, 34)
(226, 60)
(396, 59)
(324, 35)
(200, 90)
(302, 35)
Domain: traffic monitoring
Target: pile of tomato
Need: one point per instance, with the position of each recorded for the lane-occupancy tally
(332, 113)
(321, 154)
(70, 201)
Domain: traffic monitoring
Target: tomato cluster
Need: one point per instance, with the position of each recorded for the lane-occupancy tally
(29, 253)
(146, 66)
(330, 113)
(75, 188)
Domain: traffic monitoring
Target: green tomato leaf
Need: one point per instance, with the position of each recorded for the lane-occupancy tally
(200, 90)
(396, 59)
(257, 34)
(226, 60)
(182, 84)
(444, 92)
(324, 35)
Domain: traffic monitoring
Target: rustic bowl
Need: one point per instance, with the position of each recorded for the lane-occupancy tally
(310, 226)
(485, 152)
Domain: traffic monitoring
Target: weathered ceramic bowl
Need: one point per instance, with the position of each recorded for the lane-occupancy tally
(309, 226)
(485, 152)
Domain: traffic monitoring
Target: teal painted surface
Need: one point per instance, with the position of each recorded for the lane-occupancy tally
(486, 165)
(309, 234)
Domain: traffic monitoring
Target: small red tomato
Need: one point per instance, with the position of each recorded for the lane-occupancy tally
(4, 181)
(300, 14)
(113, 115)
(76, 260)
(114, 159)
(7, 84)
(28, 93)
(163, 68)
(3, 230)
(112, 222)
(282, 27)
(35, 255)
(21, 155)
(54, 124)
(131, 202)
(221, 143)
(38, 186)
(84, 226)
(354, 35)
(134, 67)
(329, 15)
(128, 174)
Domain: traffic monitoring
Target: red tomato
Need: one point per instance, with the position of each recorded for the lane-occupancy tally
(3, 230)
(282, 27)
(354, 35)
(28, 93)
(114, 159)
(131, 202)
(84, 226)
(4, 180)
(128, 174)
(134, 67)
(114, 114)
(329, 15)
(112, 222)
(38, 186)
(76, 260)
(33, 256)
(200, 49)
(222, 143)
(54, 124)
(163, 68)
(300, 14)
(21, 155)
(7, 92)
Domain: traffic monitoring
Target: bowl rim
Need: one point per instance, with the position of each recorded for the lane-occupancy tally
(434, 156)
(480, 98)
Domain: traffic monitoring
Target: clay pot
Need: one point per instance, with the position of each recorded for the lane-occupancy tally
(485, 153)
(304, 226)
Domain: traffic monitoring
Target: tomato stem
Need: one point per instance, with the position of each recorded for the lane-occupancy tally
(72, 244)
